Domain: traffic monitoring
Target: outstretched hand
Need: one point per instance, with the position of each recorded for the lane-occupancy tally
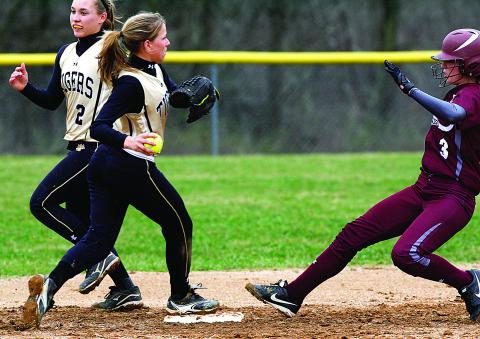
(19, 78)
(402, 81)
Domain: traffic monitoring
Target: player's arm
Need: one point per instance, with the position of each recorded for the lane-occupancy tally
(48, 98)
(127, 97)
(440, 108)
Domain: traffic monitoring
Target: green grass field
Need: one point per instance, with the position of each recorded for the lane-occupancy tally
(249, 212)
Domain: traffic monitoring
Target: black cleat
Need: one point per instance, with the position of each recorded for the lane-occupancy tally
(275, 295)
(97, 272)
(121, 300)
(471, 295)
(192, 303)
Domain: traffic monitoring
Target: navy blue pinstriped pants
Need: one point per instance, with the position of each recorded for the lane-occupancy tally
(67, 183)
(117, 180)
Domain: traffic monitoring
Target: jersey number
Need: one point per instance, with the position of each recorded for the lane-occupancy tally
(444, 148)
(80, 113)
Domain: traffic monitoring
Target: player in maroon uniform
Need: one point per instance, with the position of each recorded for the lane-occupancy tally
(428, 213)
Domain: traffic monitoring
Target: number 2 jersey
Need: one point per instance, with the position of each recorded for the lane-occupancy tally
(453, 149)
(85, 94)
(75, 77)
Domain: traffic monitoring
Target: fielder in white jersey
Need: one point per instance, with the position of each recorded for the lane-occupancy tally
(76, 79)
(85, 94)
(139, 98)
(153, 118)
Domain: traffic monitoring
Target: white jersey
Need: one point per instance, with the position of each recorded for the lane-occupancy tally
(153, 116)
(85, 94)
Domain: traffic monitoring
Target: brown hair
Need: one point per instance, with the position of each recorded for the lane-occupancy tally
(117, 46)
(107, 6)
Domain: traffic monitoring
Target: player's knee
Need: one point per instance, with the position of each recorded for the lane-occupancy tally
(401, 257)
(342, 251)
(36, 207)
(346, 244)
(188, 225)
(175, 228)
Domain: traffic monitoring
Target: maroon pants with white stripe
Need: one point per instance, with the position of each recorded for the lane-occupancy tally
(425, 216)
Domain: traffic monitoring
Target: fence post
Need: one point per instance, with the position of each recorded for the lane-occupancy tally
(214, 115)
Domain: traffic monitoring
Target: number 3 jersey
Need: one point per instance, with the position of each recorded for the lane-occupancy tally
(453, 149)
(85, 94)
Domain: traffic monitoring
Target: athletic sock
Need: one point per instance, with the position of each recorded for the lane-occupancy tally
(121, 279)
(441, 270)
(120, 276)
(62, 273)
(324, 267)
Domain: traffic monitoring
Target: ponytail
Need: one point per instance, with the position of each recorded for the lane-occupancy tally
(119, 45)
(112, 59)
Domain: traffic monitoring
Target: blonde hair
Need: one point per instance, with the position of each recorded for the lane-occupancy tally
(117, 46)
(107, 6)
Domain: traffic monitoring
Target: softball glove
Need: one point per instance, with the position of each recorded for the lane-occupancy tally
(198, 94)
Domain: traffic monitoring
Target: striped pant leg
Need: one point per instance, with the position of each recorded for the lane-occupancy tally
(440, 221)
(66, 183)
(158, 199)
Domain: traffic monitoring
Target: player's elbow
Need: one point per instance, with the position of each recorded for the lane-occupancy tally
(94, 131)
(455, 113)
(52, 103)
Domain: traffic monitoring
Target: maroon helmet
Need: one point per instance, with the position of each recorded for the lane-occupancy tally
(463, 47)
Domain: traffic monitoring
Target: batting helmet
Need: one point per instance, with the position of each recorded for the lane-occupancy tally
(463, 46)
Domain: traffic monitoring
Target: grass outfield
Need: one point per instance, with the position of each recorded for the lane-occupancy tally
(249, 212)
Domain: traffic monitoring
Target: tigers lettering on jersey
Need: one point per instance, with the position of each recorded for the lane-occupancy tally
(85, 94)
(78, 82)
(163, 104)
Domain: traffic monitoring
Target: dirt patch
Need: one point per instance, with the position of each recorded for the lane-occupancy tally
(359, 302)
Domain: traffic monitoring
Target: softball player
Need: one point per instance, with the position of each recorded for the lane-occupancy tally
(75, 77)
(428, 213)
(139, 99)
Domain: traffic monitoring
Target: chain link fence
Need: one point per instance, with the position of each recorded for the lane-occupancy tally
(263, 109)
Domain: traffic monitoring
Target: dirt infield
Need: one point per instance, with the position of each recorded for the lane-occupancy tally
(359, 302)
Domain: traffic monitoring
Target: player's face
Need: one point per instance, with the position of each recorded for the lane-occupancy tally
(157, 48)
(84, 18)
(453, 75)
(451, 72)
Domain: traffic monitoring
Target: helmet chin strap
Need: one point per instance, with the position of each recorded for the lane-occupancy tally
(439, 73)
(447, 76)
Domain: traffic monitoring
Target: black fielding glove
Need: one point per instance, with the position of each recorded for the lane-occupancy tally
(198, 94)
